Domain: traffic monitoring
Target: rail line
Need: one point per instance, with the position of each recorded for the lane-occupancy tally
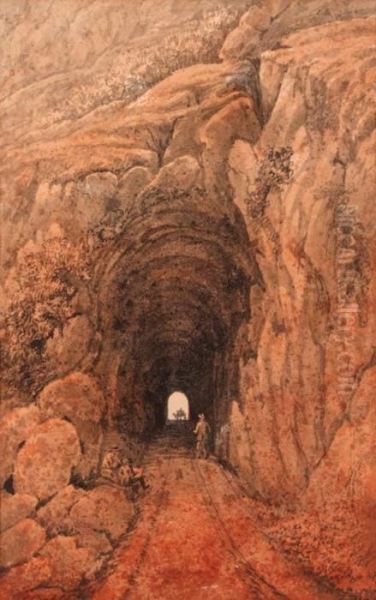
(129, 571)
(259, 587)
(240, 492)
(162, 496)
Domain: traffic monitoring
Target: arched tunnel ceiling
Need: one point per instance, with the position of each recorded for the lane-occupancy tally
(175, 288)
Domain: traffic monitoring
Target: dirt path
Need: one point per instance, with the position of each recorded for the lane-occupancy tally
(195, 540)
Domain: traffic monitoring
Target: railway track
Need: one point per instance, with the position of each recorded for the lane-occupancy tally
(259, 588)
(160, 504)
(196, 539)
(311, 587)
(130, 585)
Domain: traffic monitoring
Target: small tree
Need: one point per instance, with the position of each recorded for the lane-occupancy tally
(44, 283)
(275, 171)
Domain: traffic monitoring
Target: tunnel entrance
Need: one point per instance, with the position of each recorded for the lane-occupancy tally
(177, 407)
(175, 293)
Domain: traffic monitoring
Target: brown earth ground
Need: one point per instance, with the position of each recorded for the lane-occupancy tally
(199, 537)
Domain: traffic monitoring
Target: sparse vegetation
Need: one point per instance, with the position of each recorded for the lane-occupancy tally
(44, 283)
(275, 171)
(137, 69)
(200, 43)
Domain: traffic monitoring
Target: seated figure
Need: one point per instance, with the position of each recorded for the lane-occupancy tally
(130, 475)
(110, 465)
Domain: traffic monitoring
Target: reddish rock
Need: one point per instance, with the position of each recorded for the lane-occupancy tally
(69, 346)
(14, 508)
(69, 564)
(348, 471)
(132, 183)
(291, 408)
(54, 516)
(79, 398)
(103, 509)
(16, 582)
(101, 186)
(45, 462)
(21, 542)
(244, 41)
(93, 540)
(184, 172)
(15, 427)
(43, 594)
(237, 119)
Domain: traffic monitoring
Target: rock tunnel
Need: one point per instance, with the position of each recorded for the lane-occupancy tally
(186, 207)
(175, 292)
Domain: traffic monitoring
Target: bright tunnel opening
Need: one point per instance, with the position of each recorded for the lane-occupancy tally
(177, 407)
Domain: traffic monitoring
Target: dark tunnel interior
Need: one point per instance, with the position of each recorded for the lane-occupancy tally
(176, 287)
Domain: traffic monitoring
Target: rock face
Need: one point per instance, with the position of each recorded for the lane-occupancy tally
(21, 542)
(68, 563)
(14, 508)
(295, 402)
(44, 464)
(197, 221)
(54, 516)
(69, 347)
(94, 541)
(15, 427)
(104, 509)
(78, 398)
(18, 581)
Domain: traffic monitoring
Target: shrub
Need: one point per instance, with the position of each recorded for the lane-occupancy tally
(274, 172)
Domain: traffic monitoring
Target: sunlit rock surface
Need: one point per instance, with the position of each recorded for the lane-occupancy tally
(44, 464)
(54, 516)
(15, 507)
(15, 427)
(21, 542)
(69, 564)
(79, 399)
(103, 510)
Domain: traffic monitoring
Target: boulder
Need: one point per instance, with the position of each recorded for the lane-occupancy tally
(10, 401)
(244, 41)
(94, 541)
(132, 183)
(15, 427)
(184, 172)
(101, 186)
(45, 462)
(14, 508)
(16, 582)
(78, 398)
(71, 345)
(69, 564)
(21, 542)
(89, 199)
(104, 509)
(54, 515)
